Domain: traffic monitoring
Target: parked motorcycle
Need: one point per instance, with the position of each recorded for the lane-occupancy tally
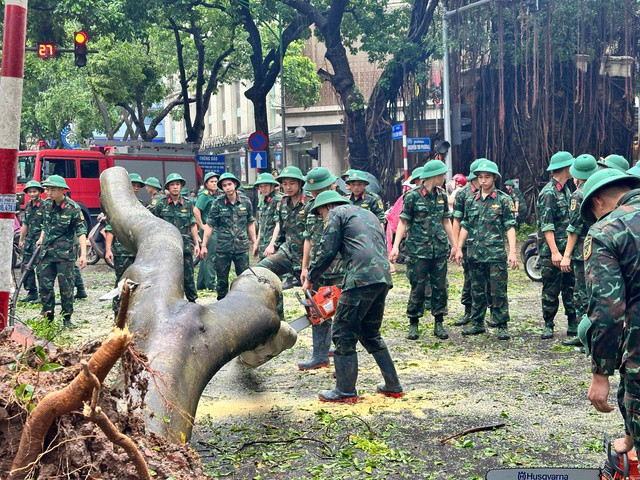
(530, 259)
(96, 247)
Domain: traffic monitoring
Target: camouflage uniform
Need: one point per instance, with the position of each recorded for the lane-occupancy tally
(122, 259)
(33, 216)
(427, 248)
(180, 215)
(369, 201)
(62, 225)
(577, 226)
(230, 221)
(517, 196)
(206, 271)
(155, 198)
(267, 219)
(458, 212)
(553, 216)
(489, 219)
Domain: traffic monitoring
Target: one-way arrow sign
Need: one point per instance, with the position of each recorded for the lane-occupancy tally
(258, 159)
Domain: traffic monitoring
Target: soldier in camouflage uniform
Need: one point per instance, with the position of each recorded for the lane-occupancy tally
(267, 211)
(29, 235)
(358, 182)
(153, 188)
(206, 272)
(231, 218)
(584, 166)
(319, 180)
(357, 235)
(611, 252)
(518, 200)
(62, 226)
(489, 215)
(614, 161)
(426, 217)
(553, 219)
(178, 211)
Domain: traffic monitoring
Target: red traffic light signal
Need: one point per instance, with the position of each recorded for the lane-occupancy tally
(80, 38)
(80, 48)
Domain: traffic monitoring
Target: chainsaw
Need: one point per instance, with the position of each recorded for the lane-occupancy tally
(320, 307)
(617, 467)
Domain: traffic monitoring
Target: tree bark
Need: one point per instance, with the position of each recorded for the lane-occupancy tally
(186, 343)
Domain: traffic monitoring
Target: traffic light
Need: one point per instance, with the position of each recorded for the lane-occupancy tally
(80, 48)
(312, 152)
(460, 123)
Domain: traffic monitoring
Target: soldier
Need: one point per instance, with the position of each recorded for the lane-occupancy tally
(267, 211)
(518, 200)
(206, 273)
(319, 180)
(114, 251)
(584, 166)
(178, 211)
(154, 189)
(426, 217)
(345, 177)
(357, 182)
(62, 226)
(29, 235)
(611, 252)
(231, 217)
(553, 220)
(489, 215)
(357, 235)
(614, 161)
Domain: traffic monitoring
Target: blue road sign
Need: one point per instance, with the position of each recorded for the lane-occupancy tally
(418, 145)
(396, 133)
(258, 159)
(258, 141)
(212, 163)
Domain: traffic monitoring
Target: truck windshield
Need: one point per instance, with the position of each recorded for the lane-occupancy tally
(26, 168)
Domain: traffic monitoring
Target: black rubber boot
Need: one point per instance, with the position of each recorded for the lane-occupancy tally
(346, 376)
(66, 320)
(31, 297)
(48, 317)
(547, 331)
(492, 321)
(572, 342)
(413, 329)
(474, 329)
(391, 386)
(572, 326)
(321, 336)
(466, 318)
(81, 292)
(438, 328)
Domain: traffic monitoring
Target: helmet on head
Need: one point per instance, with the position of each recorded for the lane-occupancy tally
(174, 177)
(319, 178)
(229, 176)
(460, 179)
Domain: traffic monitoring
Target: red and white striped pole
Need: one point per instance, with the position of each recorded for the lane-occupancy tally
(405, 159)
(15, 28)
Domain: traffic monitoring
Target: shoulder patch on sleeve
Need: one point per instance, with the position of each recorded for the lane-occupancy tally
(574, 204)
(587, 247)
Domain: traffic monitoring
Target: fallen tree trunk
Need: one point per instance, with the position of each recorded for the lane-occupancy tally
(186, 343)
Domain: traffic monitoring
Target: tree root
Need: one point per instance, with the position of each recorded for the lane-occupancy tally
(472, 430)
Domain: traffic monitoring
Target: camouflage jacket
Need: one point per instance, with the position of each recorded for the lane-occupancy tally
(611, 253)
(553, 215)
(424, 212)
(155, 198)
(178, 214)
(292, 219)
(204, 200)
(517, 196)
(230, 221)
(577, 224)
(489, 218)
(33, 216)
(313, 233)
(267, 218)
(357, 235)
(369, 201)
(62, 225)
(459, 207)
(118, 248)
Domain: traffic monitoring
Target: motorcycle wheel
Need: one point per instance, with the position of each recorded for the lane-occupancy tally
(532, 268)
(525, 247)
(92, 256)
(17, 257)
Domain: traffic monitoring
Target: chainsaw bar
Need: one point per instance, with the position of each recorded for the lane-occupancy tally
(300, 323)
(544, 474)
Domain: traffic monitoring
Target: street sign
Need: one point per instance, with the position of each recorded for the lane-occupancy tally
(212, 163)
(258, 159)
(396, 133)
(419, 145)
(258, 141)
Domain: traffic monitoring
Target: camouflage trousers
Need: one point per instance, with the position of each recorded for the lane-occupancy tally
(189, 281)
(632, 407)
(48, 270)
(77, 277)
(489, 280)
(120, 265)
(206, 268)
(554, 283)
(223, 266)
(422, 274)
(621, 405)
(29, 282)
(282, 263)
(466, 286)
(580, 298)
(359, 318)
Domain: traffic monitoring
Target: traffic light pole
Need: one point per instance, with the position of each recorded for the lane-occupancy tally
(15, 28)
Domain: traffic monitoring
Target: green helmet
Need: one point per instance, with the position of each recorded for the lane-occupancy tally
(616, 161)
(290, 172)
(136, 178)
(153, 182)
(33, 184)
(560, 160)
(509, 183)
(346, 174)
(632, 171)
(210, 175)
(265, 179)
(472, 168)
(327, 197)
(174, 177)
(229, 176)
(487, 166)
(357, 176)
(184, 191)
(415, 175)
(433, 168)
(55, 181)
(319, 178)
(597, 181)
(584, 166)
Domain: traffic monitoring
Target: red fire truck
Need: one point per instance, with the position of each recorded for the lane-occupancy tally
(82, 168)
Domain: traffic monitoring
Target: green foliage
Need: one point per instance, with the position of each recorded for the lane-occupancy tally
(302, 82)
(524, 231)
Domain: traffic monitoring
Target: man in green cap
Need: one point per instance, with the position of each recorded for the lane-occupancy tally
(554, 202)
(114, 251)
(614, 161)
(345, 177)
(519, 201)
(611, 252)
(29, 235)
(427, 219)
(62, 228)
(178, 211)
(231, 217)
(489, 215)
(358, 182)
(357, 235)
(268, 207)
(206, 272)
(319, 180)
(154, 189)
(584, 166)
